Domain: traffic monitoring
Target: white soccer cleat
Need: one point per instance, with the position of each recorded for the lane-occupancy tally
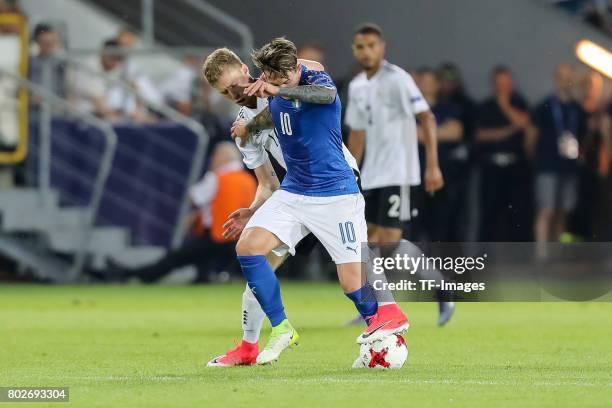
(282, 337)
(358, 363)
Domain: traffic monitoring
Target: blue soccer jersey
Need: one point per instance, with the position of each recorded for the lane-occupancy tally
(311, 142)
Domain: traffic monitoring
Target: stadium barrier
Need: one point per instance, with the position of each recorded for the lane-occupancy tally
(188, 141)
(99, 175)
(137, 182)
(148, 177)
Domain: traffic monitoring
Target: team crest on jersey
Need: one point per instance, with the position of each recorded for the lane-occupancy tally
(296, 103)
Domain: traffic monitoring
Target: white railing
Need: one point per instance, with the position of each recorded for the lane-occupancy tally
(49, 99)
(197, 158)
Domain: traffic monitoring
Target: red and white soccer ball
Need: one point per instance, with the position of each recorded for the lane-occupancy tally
(390, 352)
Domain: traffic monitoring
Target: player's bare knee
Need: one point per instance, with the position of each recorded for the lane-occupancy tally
(247, 247)
(349, 276)
(350, 286)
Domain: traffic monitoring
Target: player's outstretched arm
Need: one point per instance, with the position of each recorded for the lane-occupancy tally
(320, 91)
(318, 94)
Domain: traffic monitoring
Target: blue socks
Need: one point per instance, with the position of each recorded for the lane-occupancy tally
(364, 301)
(265, 287)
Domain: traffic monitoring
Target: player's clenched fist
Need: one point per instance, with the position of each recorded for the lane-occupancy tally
(236, 222)
(433, 179)
(240, 131)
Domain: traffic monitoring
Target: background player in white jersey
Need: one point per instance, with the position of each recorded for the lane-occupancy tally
(384, 104)
(224, 70)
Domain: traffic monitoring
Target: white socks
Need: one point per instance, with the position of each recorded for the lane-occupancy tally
(252, 316)
(384, 296)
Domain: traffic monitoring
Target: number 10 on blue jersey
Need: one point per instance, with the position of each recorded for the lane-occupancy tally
(285, 121)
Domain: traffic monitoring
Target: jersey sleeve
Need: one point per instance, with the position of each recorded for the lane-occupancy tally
(253, 152)
(354, 117)
(410, 98)
(254, 155)
(318, 78)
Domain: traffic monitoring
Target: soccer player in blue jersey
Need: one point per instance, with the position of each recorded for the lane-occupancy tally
(319, 194)
(225, 72)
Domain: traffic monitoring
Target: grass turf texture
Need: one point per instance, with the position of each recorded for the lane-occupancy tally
(147, 347)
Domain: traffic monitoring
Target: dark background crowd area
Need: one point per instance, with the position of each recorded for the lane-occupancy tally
(491, 186)
(490, 192)
(511, 174)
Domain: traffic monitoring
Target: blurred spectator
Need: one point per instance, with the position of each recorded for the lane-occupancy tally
(504, 178)
(441, 215)
(226, 187)
(47, 43)
(127, 38)
(128, 42)
(103, 96)
(179, 87)
(560, 124)
(313, 52)
(605, 157)
(453, 91)
(588, 217)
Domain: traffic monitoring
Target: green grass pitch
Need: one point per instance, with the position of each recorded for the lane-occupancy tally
(133, 346)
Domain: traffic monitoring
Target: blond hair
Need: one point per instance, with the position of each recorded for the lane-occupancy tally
(216, 62)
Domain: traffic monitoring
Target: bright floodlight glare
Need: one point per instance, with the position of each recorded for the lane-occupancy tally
(595, 57)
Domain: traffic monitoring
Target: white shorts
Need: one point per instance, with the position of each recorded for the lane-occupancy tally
(338, 222)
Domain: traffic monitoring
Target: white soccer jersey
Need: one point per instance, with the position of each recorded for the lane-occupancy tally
(385, 107)
(255, 151)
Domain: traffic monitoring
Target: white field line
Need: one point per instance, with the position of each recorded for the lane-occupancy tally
(322, 380)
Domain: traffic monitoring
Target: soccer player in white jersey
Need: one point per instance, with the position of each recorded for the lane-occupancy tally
(319, 194)
(383, 106)
(224, 70)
